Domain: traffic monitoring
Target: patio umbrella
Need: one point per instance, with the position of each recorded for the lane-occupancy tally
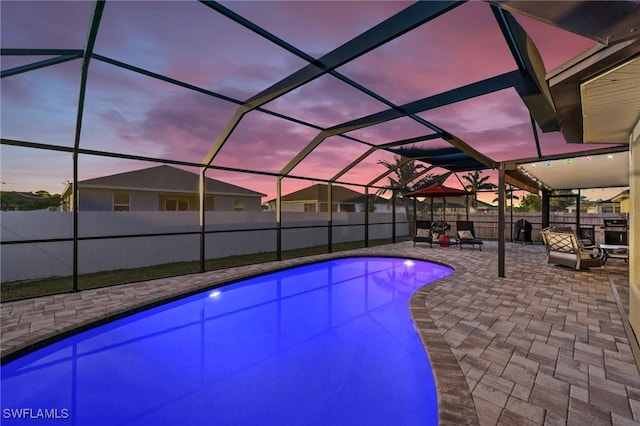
(437, 191)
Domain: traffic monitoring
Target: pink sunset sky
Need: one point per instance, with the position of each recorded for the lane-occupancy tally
(126, 112)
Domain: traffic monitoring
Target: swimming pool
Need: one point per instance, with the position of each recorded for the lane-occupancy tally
(329, 343)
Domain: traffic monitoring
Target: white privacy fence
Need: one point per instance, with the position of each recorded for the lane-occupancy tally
(253, 232)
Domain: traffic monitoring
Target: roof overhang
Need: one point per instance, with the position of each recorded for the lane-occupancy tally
(606, 22)
(596, 94)
(522, 181)
(581, 172)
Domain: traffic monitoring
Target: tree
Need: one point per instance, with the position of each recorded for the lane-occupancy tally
(567, 198)
(477, 183)
(509, 195)
(28, 201)
(530, 203)
(402, 180)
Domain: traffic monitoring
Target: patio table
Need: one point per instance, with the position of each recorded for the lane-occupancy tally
(614, 251)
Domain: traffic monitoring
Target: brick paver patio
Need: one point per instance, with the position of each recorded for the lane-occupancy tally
(545, 345)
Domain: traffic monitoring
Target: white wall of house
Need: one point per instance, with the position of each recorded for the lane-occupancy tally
(97, 199)
(298, 206)
(38, 260)
(292, 207)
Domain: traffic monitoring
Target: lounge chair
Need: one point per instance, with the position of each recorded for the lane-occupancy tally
(564, 248)
(423, 233)
(467, 235)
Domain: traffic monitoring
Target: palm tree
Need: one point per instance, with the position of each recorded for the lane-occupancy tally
(509, 195)
(477, 183)
(404, 173)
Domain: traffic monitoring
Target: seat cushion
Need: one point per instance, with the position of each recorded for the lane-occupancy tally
(465, 235)
(422, 233)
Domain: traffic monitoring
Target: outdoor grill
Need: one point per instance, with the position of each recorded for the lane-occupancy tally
(615, 232)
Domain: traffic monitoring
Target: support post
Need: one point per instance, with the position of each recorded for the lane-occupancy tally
(501, 214)
(366, 216)
(545, 209)
(393, 215)
(279, 218)
(511, 213)
(75, 220)
(329, 218)
(84, 73)
(202, 190)
(578, 214)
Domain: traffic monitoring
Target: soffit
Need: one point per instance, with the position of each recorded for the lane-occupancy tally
(611, 104)
(596, 94)
(596, 171)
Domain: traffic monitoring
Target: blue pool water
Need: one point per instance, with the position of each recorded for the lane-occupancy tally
(330, 343)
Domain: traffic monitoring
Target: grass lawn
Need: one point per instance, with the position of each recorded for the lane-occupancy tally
(32, 288)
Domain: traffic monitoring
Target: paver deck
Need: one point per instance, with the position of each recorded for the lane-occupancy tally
(545, 345)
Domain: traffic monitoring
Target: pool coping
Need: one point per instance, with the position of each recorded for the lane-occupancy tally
(455, 403)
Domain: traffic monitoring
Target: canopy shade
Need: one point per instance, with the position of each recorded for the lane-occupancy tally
(450, 158)
(437, 191)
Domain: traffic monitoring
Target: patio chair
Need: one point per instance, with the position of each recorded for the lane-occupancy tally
(423, 233)
(564, 248)
(466, 234)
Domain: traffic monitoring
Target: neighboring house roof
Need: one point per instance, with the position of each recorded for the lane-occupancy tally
(162, 179)
(624, 195)
(482, 204)
(318, 192)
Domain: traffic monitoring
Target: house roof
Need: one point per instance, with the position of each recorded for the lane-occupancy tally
(624, 195)
(163, 179)
(318, 192)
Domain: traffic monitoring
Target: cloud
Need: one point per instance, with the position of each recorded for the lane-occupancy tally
(215, 53)
(130, 113)
(463, 46)
(317, 27)
(45, 24)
